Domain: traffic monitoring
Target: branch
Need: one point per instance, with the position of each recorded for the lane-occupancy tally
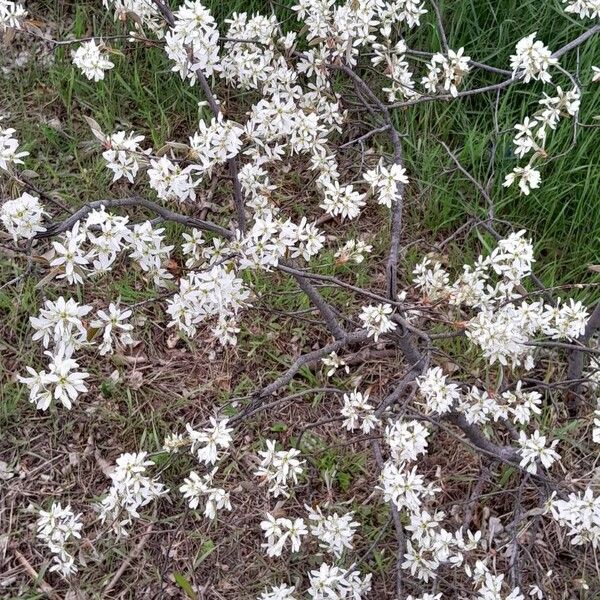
(575, 367)
(168, 215)
(354, 337)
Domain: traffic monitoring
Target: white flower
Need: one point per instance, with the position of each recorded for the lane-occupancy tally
(407, 440)
(386, 182)
(335, 532)
(358, 412)
(439, 395)
(23, 216)
(532, 60)
(207, 442)
(195, 487)
(376, 320)
(111, 323)
(279, 531)
(92, 62)
(333, 583)
(11, 14)
(585, 9)
(334, 362)
(278, 468)
(9, 147)
(56, 528)
(131, 490)
(67, 382)
(447, 72)
(533, 448)
(528, 178)
(353, 250)
(279, 592)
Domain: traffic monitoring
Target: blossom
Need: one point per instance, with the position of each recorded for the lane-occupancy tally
(195, 487)
(207, 442)
(279, 468)
(279, 531)
(91, 60)
(353, 250)
(532, 60)
(334, 362)
(335, 532)
(528, 178)
(279, 592)
(376, 320)
(358, 412)
(111, 323)
(131, 490)
(533, 448)
(329, 582)
(386, 182)
(22, 217)
(57, 527)
(439, 395)
(11, 14)
(9, 148)
(447, 71)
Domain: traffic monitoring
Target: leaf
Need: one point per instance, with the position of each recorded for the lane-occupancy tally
(185, 585)
(206, 550)
(96, 129)
(277, 427)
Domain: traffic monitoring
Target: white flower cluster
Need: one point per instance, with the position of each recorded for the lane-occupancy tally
(580, 514)
(384, 181)
(532, 60)
(193, 41)
(23, 216)
(353, 250)
(334, 583)
(446, 71)
(130, 491)
(585, 9)
(196, 487)
(11, 14)
(358, 413)
(207, 294)
(279, 468)
(532, 135)
(279, 592)
(9, 149)
(281, 530)
(92, 248)
(57, 527)
(124, 155)
(113, 326)
(533, 449)
(407, 440)
(334, 532)
(431, 545)
(502, 329)
(392, 60)
(92, 60)
(334, 362)
(206, 443)
(478, 406)
(376, 320)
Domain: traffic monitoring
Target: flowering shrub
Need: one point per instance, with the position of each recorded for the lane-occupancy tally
(470, 340)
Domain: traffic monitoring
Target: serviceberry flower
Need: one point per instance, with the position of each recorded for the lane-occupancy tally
(90, 59)
(376, 320)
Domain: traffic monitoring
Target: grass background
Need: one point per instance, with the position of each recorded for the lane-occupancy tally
(47, 104)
